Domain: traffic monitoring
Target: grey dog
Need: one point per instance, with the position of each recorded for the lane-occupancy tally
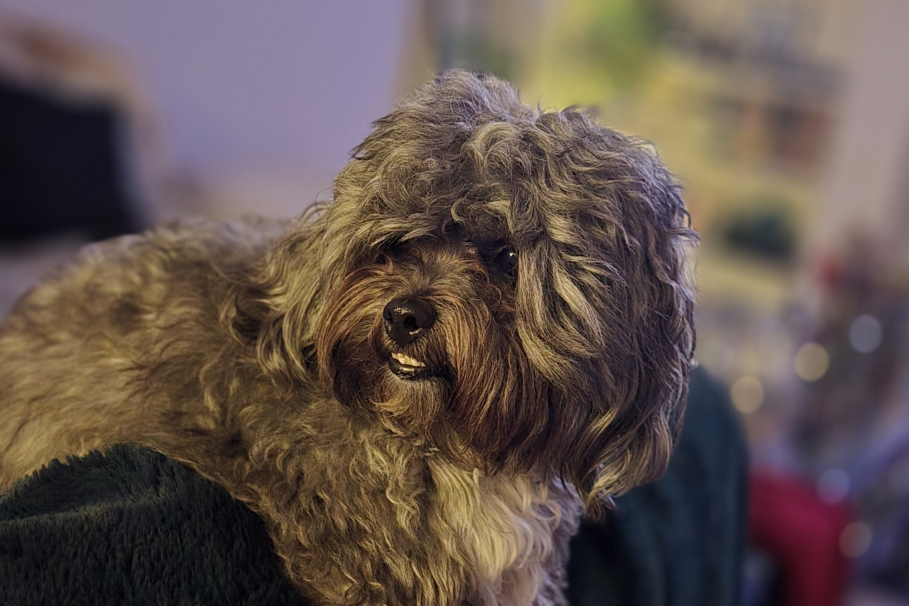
(419, 386)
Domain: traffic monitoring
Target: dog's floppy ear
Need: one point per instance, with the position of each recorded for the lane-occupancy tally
(630, 440)
(606, 301)
(277, 305)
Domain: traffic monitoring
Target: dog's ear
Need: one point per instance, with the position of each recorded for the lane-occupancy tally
(606, 298)
(275, 307)
(631, 439)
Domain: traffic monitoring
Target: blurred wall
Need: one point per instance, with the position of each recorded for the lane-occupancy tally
(243, 87)
(866, 187)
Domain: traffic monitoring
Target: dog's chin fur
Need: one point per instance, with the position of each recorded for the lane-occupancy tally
(257, 353)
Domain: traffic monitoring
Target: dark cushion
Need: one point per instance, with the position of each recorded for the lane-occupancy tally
(679, 541)
(62, 167)
(132, 527)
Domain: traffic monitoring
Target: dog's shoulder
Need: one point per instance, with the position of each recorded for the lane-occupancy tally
(182, 243)
(115, 343)
(186, 258)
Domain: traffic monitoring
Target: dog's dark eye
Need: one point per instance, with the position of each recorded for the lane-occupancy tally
(506, 260)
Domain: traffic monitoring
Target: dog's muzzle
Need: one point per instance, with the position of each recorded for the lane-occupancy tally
(406, 320)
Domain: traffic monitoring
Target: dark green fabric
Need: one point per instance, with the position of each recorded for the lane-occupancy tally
(133, 527)
(679, 541)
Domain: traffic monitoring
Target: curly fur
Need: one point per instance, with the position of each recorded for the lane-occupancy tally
(257, 352)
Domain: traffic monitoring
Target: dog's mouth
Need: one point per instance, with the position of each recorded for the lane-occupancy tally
(407, 367)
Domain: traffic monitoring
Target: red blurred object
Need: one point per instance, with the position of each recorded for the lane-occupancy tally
(802, 533)
(831, 273)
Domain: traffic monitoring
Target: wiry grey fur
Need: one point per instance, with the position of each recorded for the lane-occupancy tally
(257, 353)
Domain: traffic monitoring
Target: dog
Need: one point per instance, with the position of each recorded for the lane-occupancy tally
(420, 385)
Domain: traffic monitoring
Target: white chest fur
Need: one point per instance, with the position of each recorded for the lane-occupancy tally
(512, 531)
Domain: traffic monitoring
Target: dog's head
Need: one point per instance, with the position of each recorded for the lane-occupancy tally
(510, 283)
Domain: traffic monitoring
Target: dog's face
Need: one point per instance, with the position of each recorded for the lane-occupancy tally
(509, 283)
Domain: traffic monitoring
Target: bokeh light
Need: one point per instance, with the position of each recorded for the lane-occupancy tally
(855, 539)
(833, 485)
(865, 334)
(747, 394)
(811, 362)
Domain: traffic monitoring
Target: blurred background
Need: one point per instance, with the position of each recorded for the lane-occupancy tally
(786, 120)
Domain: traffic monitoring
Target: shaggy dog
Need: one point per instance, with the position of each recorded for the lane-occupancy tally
(418, 386)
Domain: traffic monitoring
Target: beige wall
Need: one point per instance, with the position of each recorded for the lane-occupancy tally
(866, 185)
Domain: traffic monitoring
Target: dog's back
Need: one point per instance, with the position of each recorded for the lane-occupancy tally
(93, 343)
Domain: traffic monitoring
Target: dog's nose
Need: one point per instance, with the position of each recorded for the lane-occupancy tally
(406, 319)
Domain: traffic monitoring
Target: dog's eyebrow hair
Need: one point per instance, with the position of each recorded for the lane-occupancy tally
(686, 216)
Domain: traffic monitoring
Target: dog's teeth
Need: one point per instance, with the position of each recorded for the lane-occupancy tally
(405, 359)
